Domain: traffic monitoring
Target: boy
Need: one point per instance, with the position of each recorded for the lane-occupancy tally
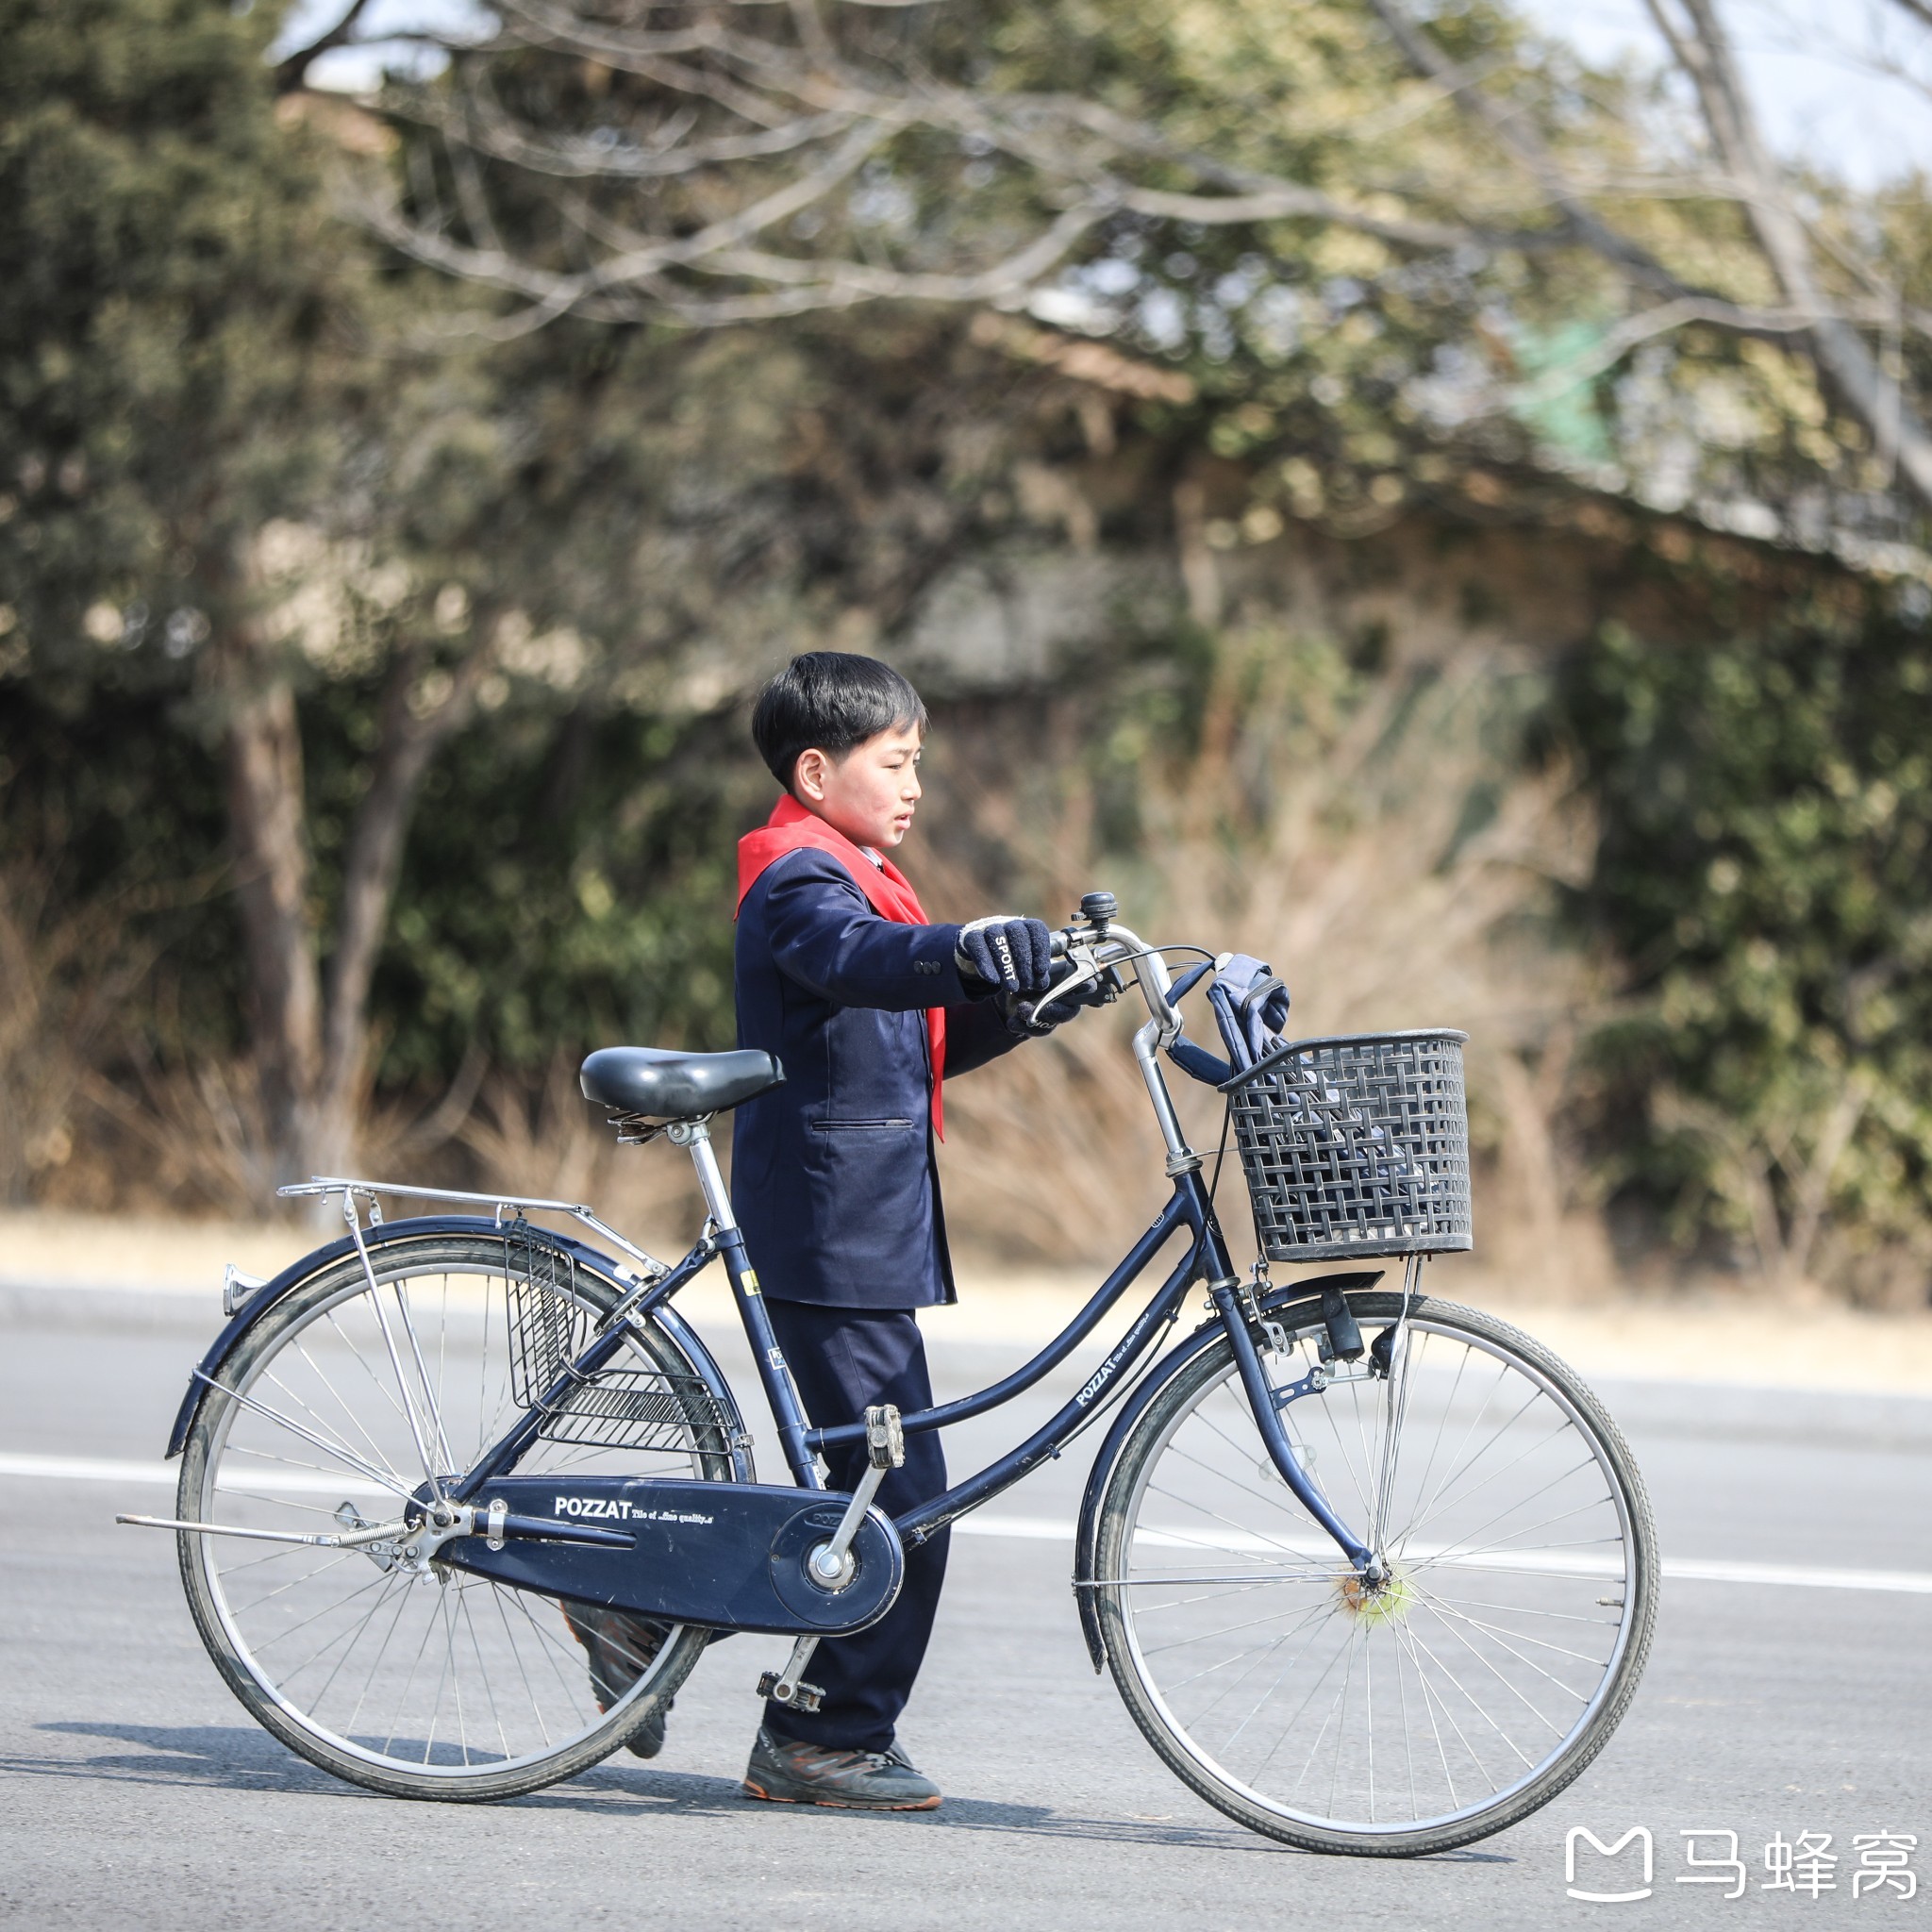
(869, 1007)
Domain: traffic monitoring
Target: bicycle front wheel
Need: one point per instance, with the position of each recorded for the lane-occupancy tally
(329, 1414)
(1467, 1689)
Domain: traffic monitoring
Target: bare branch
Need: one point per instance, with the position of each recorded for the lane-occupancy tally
(557, 294)
(1513, 130)
(492, 132)
(764, 115)
(1840, 353)
(764, 62)
(1290, 202)
(1700, 47)
(798, 287)
(1646, 326)
(291, 73)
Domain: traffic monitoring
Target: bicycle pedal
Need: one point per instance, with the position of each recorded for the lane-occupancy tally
(773, 1687)
(885, 1437)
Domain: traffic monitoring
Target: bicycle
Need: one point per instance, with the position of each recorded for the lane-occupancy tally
(1378, 1596)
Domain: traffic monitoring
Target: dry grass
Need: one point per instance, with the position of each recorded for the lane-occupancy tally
(552, 1145)
(66, 973)
(1401, 874)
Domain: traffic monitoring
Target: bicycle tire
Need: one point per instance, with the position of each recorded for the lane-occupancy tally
(1193, 1496)
(263, 1473)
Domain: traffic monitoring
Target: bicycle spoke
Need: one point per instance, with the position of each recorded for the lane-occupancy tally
(483, 1672)
(1501, 1637)
(294, 1428)
(401, 1582)
(1555, 1730)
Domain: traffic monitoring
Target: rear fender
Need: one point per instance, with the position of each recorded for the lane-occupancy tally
(1087, 1536)
(615, 1274)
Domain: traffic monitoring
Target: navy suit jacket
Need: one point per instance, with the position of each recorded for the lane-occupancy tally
(833, 1175)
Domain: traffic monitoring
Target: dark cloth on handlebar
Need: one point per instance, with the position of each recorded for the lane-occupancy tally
(1251, 1009)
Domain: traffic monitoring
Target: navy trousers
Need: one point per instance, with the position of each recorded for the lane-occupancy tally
(846, 1360)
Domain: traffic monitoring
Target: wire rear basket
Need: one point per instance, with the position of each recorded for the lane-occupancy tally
(620, 1408)
(640, 1409)
(1358, 1145)
(549, 1325)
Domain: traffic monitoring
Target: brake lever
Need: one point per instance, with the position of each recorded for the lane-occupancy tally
(1089, 973)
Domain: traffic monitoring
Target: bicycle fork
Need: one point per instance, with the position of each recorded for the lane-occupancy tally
(1225, 1293)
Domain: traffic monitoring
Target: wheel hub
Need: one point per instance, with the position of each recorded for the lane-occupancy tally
(1373, 1603)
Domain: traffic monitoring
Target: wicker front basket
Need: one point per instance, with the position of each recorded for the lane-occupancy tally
(1358, 1145)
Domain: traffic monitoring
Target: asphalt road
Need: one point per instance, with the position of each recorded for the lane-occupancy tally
(134, 1792)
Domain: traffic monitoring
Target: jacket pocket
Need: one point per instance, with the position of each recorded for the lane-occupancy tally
(858, 1126)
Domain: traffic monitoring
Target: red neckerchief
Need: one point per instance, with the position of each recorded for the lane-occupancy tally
(790, 828)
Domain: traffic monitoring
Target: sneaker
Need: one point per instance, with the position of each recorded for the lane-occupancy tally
(788, 1773)
(621, 1648)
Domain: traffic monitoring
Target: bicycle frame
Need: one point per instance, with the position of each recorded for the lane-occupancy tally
(1206, 1259)
(1188, 1209)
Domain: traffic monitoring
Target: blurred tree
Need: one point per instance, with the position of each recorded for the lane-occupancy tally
(186, 388)
(237, 506)
(1763, 869)
(168, 326)
(702, 164)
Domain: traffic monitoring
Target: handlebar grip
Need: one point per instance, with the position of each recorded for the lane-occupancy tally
(1057, 945)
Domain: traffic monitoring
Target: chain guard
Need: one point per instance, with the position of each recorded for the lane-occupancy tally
(733, 1555)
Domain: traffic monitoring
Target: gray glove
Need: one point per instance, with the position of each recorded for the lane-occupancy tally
(1002, 954)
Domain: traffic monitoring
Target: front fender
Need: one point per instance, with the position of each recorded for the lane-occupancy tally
(1087, 1536)
(291, 1277)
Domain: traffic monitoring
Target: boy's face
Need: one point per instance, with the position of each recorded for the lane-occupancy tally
(868, 794)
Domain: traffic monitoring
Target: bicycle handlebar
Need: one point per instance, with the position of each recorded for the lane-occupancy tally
(1101, 945)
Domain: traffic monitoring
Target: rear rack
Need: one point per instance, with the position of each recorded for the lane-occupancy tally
(373, 1191)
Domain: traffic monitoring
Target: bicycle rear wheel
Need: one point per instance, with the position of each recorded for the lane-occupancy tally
(419, 1679)
(1457, 1698)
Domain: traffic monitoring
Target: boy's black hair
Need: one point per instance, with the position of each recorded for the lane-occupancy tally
(831, 701)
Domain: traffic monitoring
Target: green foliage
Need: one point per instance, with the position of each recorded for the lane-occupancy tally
(1767, 808)
(169, 305)
(567, 888)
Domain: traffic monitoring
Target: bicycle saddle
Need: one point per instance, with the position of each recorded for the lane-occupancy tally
(664, 1085)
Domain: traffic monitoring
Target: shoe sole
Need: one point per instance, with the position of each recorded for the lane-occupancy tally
(752, 1790)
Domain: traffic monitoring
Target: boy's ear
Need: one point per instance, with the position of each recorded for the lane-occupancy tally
(808, 775)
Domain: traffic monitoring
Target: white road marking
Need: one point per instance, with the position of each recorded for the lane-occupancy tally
(1056, 1529)
(102, 1469)
(1679, 1569)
